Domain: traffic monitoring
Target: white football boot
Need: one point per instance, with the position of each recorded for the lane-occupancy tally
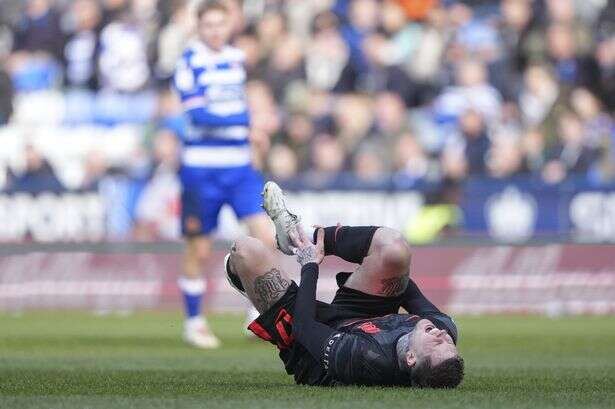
(197, 334)
(284, 221)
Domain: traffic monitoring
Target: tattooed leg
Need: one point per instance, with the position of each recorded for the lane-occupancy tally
(259, 271)
(394, 286)
(268, 288)
(385, 271)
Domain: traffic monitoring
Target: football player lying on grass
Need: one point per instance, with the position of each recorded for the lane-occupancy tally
(359, 338)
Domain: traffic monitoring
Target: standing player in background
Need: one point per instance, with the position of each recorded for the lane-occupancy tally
(216, 166)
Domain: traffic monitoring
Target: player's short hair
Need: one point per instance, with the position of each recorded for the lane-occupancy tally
(206, 6)
(447, 374)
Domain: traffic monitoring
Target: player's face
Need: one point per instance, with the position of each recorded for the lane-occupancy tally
(428, 341)
(215, 29)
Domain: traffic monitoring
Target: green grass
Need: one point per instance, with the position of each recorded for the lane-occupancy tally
(78, 360)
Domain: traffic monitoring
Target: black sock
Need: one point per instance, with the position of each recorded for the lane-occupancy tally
(349, 243)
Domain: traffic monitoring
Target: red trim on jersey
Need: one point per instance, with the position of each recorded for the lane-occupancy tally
(369, 328)
(287, 340)
(283, 314)
(259, 331)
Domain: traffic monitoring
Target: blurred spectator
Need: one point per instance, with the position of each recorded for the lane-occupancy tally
(505, 156)
(604, 27)
(263, 110)
(404, 35)
(417, 9)
(285, 66)
(126, 94)
(390, 116)
(38, 46)
(368, 166)
(39, 30)
(599, 130)
(410, 160)
(123, 59)
(6, 85)
(362, 22)
(562, 12)
(6, 96)
(353, 119)
(571, 153)
(605, 57)
(282, 163)
(453, 163)
(248, 43)
(299, 130)
(327, 54)
(82, 46)
(541, 102)
(516, 16)
(157, 211)
(236, 15)
(513, 26)
(533, 146)
(173, 37)
(384, 74)
(113, 9)
(328, 160)
(471, 91)
(475, 37)
(96, 168)
(270, 28)
(351, 92)
(476, 142)
(597, 124)
(424, 66)
(540, 91)
(37, 177)
(570, 68)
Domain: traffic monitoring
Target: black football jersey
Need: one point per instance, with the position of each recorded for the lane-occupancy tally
(364, 352)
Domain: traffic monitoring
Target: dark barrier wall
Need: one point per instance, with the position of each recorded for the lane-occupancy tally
(551, 279)
(515, 210)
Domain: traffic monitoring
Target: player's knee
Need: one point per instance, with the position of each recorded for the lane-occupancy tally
(396, 254)
(246, 248)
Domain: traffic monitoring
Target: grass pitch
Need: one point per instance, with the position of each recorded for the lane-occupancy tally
(78, 360)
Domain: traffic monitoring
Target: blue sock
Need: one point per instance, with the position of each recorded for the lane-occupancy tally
(192, 291)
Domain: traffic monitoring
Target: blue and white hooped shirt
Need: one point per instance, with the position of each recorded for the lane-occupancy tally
(211, 86)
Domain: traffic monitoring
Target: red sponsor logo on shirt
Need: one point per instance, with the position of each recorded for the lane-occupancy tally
(369, 328)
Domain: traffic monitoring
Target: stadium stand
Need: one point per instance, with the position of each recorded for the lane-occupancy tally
(493, 113)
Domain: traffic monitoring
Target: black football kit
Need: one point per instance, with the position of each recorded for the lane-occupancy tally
(352, 340)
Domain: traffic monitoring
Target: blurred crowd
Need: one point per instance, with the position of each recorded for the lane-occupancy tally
(343, 93)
